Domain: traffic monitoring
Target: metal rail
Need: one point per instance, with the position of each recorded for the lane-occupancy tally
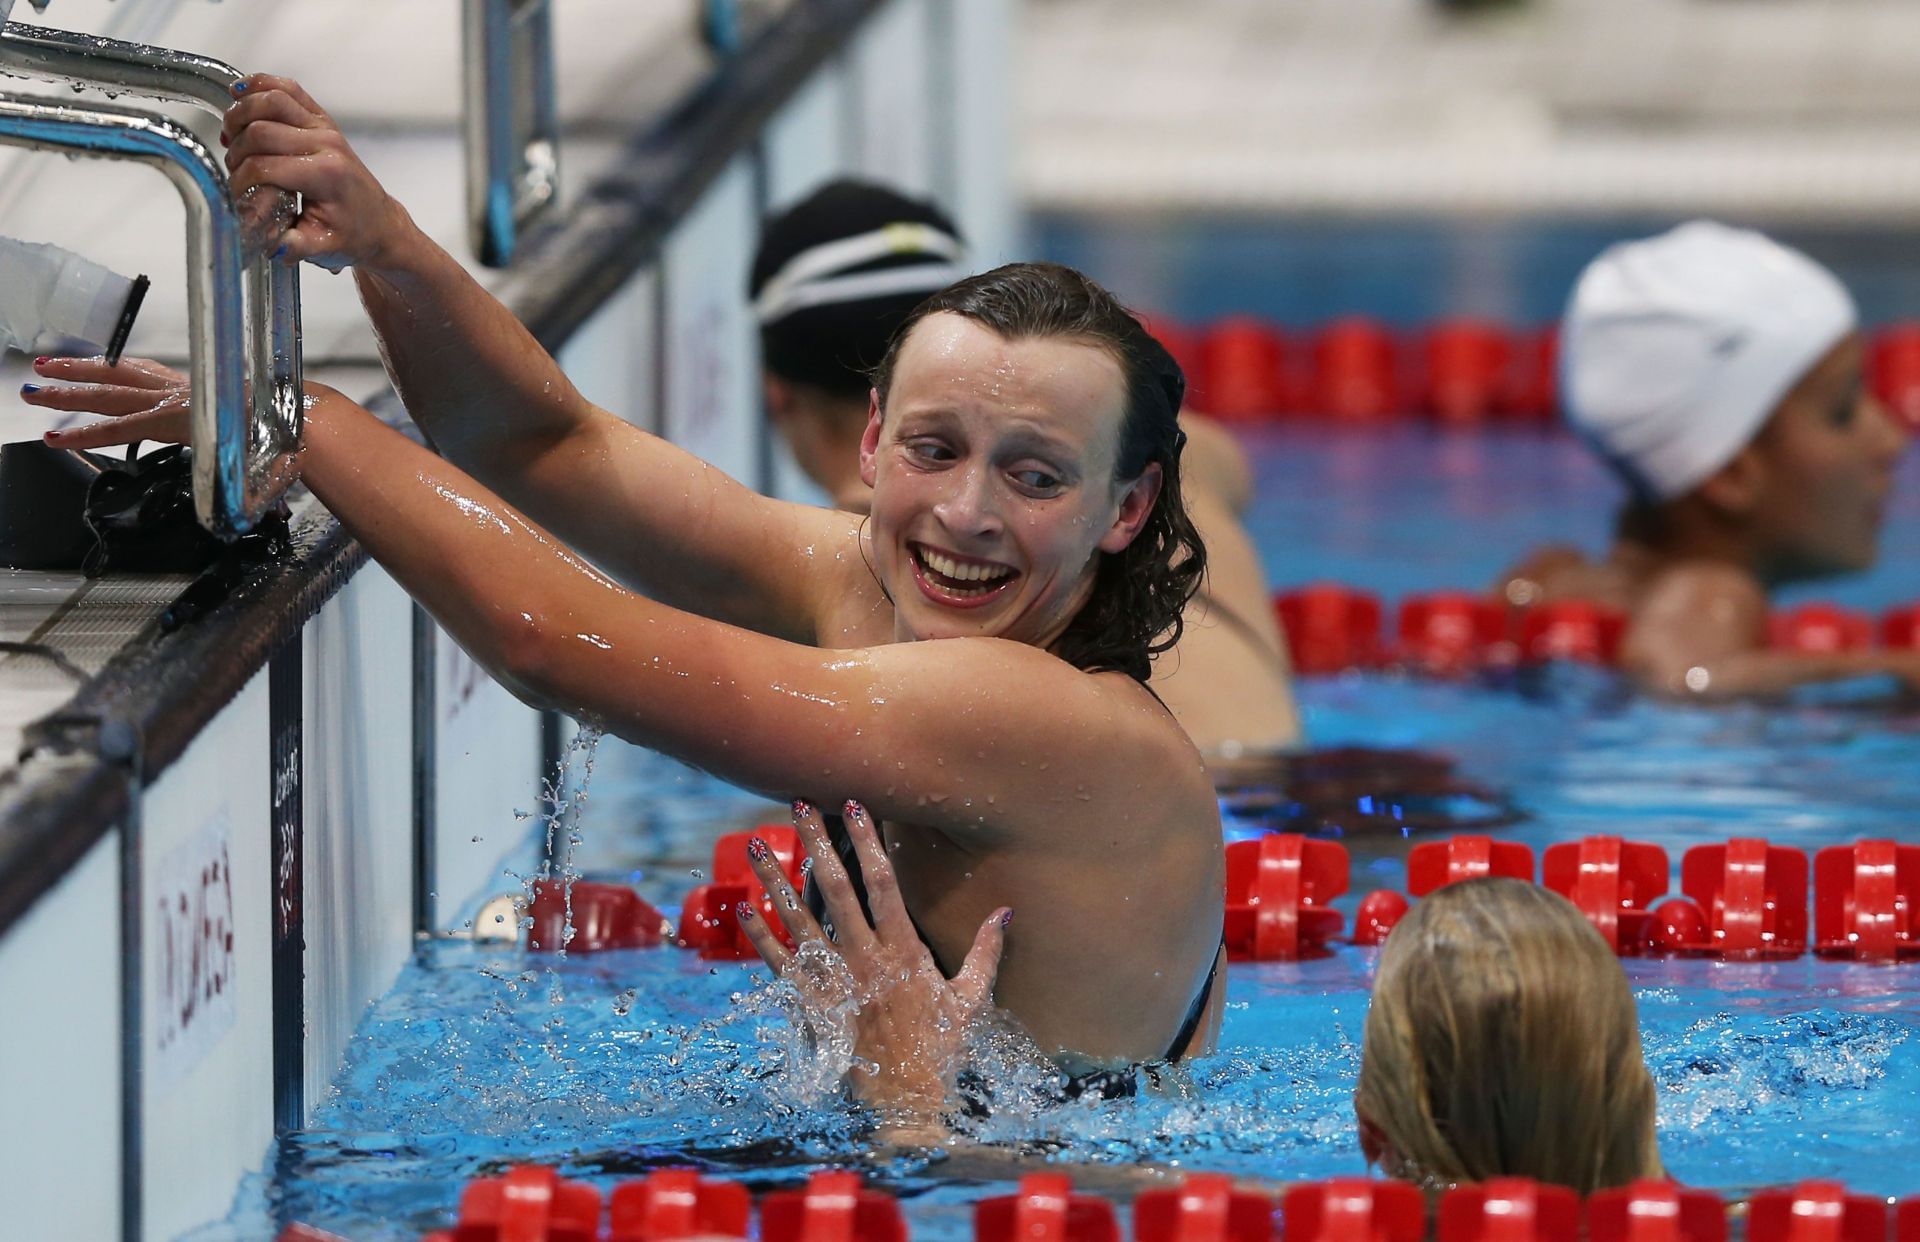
(235, 476)
(512, 127)
(227, 503)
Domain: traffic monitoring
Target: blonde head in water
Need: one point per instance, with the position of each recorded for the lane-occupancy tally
(1502, 1041)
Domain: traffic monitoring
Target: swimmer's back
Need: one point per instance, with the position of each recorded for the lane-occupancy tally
(1117, 911)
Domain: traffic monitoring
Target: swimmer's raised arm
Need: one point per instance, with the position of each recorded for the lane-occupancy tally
(492, 400)
(927, 733)
(1701, 632)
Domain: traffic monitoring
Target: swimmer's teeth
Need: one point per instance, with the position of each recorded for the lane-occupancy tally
(947, 567)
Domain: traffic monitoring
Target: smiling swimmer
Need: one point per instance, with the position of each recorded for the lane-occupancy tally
(834, 277)
(1719, 374)
(969, 663)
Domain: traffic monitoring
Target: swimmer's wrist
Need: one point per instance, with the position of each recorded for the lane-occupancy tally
(400, 249)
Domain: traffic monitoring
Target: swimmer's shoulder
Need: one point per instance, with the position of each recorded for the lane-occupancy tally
(1690, 613)
(848, 606)
(1118, 729)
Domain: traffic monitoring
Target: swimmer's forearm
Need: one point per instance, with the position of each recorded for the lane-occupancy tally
(762, 713)
(1757, 673)
(492, 401)
(468, 371)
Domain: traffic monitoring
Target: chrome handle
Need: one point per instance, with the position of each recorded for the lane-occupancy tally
(242, 459)
(271, 291)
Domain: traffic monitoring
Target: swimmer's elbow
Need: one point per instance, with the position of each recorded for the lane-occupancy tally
(524, 656)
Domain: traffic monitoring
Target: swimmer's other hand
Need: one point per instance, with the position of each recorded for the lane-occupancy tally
(277, 136)
(143, 400)
(910, 1021)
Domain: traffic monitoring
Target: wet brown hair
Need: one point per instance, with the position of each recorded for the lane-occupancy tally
(1139, 593)
(1502, 1041)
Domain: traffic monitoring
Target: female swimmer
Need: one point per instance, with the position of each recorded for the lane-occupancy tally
(1502, 1041)
(1024, 459)
(1719, 374)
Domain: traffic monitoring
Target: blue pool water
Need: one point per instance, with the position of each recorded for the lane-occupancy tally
(614, 1064)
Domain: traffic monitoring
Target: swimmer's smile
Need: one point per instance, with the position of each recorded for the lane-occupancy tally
(956, 581)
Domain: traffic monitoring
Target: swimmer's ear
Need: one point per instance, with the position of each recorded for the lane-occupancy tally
(870, 438)
(778, 395)
(1136, 506)
(1736, 487)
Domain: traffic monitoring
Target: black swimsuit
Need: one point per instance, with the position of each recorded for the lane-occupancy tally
(1101, 1083)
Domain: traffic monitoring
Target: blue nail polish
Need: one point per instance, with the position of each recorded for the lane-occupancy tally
(240, 87)
(29, 388)
(282, 252)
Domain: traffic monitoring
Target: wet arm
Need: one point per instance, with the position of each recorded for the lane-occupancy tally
(1701, 632)
(492, 400)
(941, 734)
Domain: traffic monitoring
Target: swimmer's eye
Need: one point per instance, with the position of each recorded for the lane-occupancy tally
(1039, 482)
(929, 452)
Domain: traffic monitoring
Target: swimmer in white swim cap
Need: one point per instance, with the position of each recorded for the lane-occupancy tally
(1719, 373)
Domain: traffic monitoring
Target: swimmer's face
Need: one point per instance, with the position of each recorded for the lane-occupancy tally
(1826, 459)
(992, 475)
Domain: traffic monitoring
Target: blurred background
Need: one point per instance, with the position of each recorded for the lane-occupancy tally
(1407, 159)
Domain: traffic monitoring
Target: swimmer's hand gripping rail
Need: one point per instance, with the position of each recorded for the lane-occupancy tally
(241, 463)
(272, 290)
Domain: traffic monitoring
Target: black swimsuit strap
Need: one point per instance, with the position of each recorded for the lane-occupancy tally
(1197, 1012)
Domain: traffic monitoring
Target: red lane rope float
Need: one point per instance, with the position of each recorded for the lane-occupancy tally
(1509, 1209)
(1045, 1209)
(1893, 370)
(1453, 633)
(1332, 628)
(1815, 1211)
(1752, 895)
(1866, 899)
(1243, 370)
(1820, 629)
(1613, 882)
(674, 1204)
(1204, 1207)
(835, 1206)
(1355, 377)
(1534, 395)
(1900, 628)
(1379, 913)
(1466, 371)
(1572, 629)
(605, 916)
(530, 1203)
(1469, 856)
(1649, 1210)
(1355, 1209)
(1329, 627)
(534, 1204)
(1278, 887)
(707, 919)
